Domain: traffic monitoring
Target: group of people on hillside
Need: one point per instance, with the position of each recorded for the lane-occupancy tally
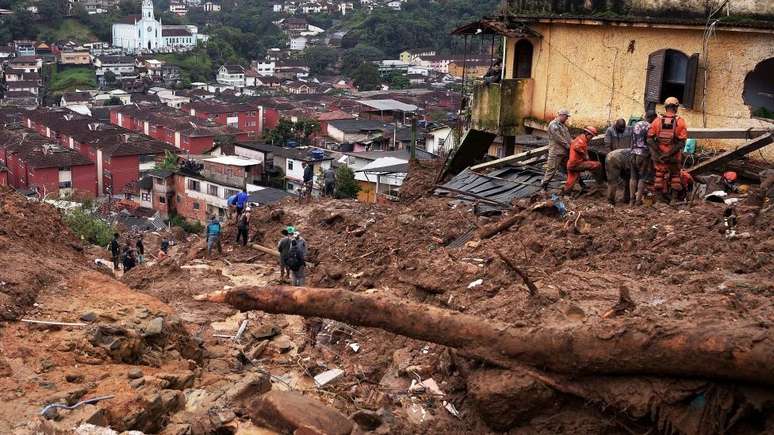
(132, 252)
(329, 182)
(646, 156)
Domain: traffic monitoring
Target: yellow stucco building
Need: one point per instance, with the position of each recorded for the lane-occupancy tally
(602, 69)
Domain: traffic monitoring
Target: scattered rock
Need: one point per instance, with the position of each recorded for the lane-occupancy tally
(74, 378)
(282, 343)
(137, 383)
(367, 420)
(134, 373)
(89, 316)
(288, 411)
(416, 413)
(265, 332)
(253, 384)
(51, 414)
(257, 351)
(178, 381)
(154, 327)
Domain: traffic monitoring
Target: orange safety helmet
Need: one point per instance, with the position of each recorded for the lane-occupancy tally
(672, 101)
(730, 176)
(590, 130)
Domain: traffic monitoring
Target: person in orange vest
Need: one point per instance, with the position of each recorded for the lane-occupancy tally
(579, 159)
(666, 137)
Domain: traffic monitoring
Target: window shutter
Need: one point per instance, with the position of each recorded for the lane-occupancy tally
(690, 81)
(654, 76)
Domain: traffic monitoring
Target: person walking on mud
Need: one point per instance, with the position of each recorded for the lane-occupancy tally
(140, 246)
(283, 246)
(212, 234)
(115, 251)
(243, 223)
(296, 260)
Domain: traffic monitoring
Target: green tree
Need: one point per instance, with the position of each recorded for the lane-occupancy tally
(366, 77)
(114, 101)
(352, 58)
(281, 134)
(52, 12)
(170, 162)
(398, 80)
(90, 228)
(305, 128)
(319, 59)
(346, 185)
(110, 77)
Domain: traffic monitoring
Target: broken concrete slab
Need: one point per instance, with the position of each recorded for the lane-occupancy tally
(327, 377)
(251, 385)
(289, 412)
(154, 327)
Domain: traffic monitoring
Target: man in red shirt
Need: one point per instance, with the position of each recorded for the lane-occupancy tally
(579, 159)
(666, 138)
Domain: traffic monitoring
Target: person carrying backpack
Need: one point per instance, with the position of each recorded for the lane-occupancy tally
(213, 236)
(283, 246)
(129, 259)
(296, 259)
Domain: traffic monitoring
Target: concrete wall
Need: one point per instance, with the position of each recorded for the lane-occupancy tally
(592, 71)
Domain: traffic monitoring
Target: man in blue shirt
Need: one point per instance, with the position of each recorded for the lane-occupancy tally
(212, 233)
(238, 201)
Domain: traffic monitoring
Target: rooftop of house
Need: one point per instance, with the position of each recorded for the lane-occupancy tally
(233, 161)
(21, 84)
(37, 151)
(115, 60)
(388, 105)
(234, 69)
(403, 154)
(353, 126)
(334, 116)
(176, 120)
(303, 154)
(23, 60)
(175, 32)
(72, 97)
(268, 195)
(110, 139)
(211, 106)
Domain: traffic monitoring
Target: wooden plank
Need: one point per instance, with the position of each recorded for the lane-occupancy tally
(733, 154)
(726, 133)
(513, 158)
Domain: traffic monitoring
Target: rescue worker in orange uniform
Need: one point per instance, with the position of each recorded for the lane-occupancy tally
(666, 138)
(579, 159)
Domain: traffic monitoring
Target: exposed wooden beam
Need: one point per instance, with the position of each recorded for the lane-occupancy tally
(726, 133)
(723, 158)
(512, 159)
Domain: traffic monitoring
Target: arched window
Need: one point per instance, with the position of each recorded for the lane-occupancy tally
(759, 89)
(671, 73)
(522, 59)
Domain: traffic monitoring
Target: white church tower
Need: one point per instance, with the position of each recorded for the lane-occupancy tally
(149, 30)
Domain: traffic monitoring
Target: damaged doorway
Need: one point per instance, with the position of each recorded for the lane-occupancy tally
(759, 89)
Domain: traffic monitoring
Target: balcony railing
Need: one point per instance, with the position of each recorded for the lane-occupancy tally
(501, 107)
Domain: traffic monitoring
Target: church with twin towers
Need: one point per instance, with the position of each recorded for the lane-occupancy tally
(145, 34)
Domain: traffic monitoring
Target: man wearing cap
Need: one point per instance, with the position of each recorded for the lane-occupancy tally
(666, 137)
(558, 146)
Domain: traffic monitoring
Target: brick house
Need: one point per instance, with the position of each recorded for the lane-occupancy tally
(120, 155)
(187, 133)
(246, 117)
(32, 161)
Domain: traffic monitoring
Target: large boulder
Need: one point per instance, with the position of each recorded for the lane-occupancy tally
(288, 412)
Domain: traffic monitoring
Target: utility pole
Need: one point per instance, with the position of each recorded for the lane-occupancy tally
(413, 137)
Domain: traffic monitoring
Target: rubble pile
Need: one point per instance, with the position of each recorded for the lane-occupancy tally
(158, 361)
(36, 252)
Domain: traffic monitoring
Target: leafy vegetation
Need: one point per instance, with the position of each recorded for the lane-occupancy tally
(287, 131)
(346, 185)
(191, 227)
(170, 162)
(88, 227)
(70, 79)
(366, 77)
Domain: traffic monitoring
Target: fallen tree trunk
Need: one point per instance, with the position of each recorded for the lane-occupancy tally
(715, 351)
(500, 226)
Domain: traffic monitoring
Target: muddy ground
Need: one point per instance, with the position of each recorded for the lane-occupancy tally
(147, 343)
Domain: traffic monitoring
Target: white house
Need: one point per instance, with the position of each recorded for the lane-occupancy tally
(265, 69)
(298, 43)
(231, 75)
(440, 140)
